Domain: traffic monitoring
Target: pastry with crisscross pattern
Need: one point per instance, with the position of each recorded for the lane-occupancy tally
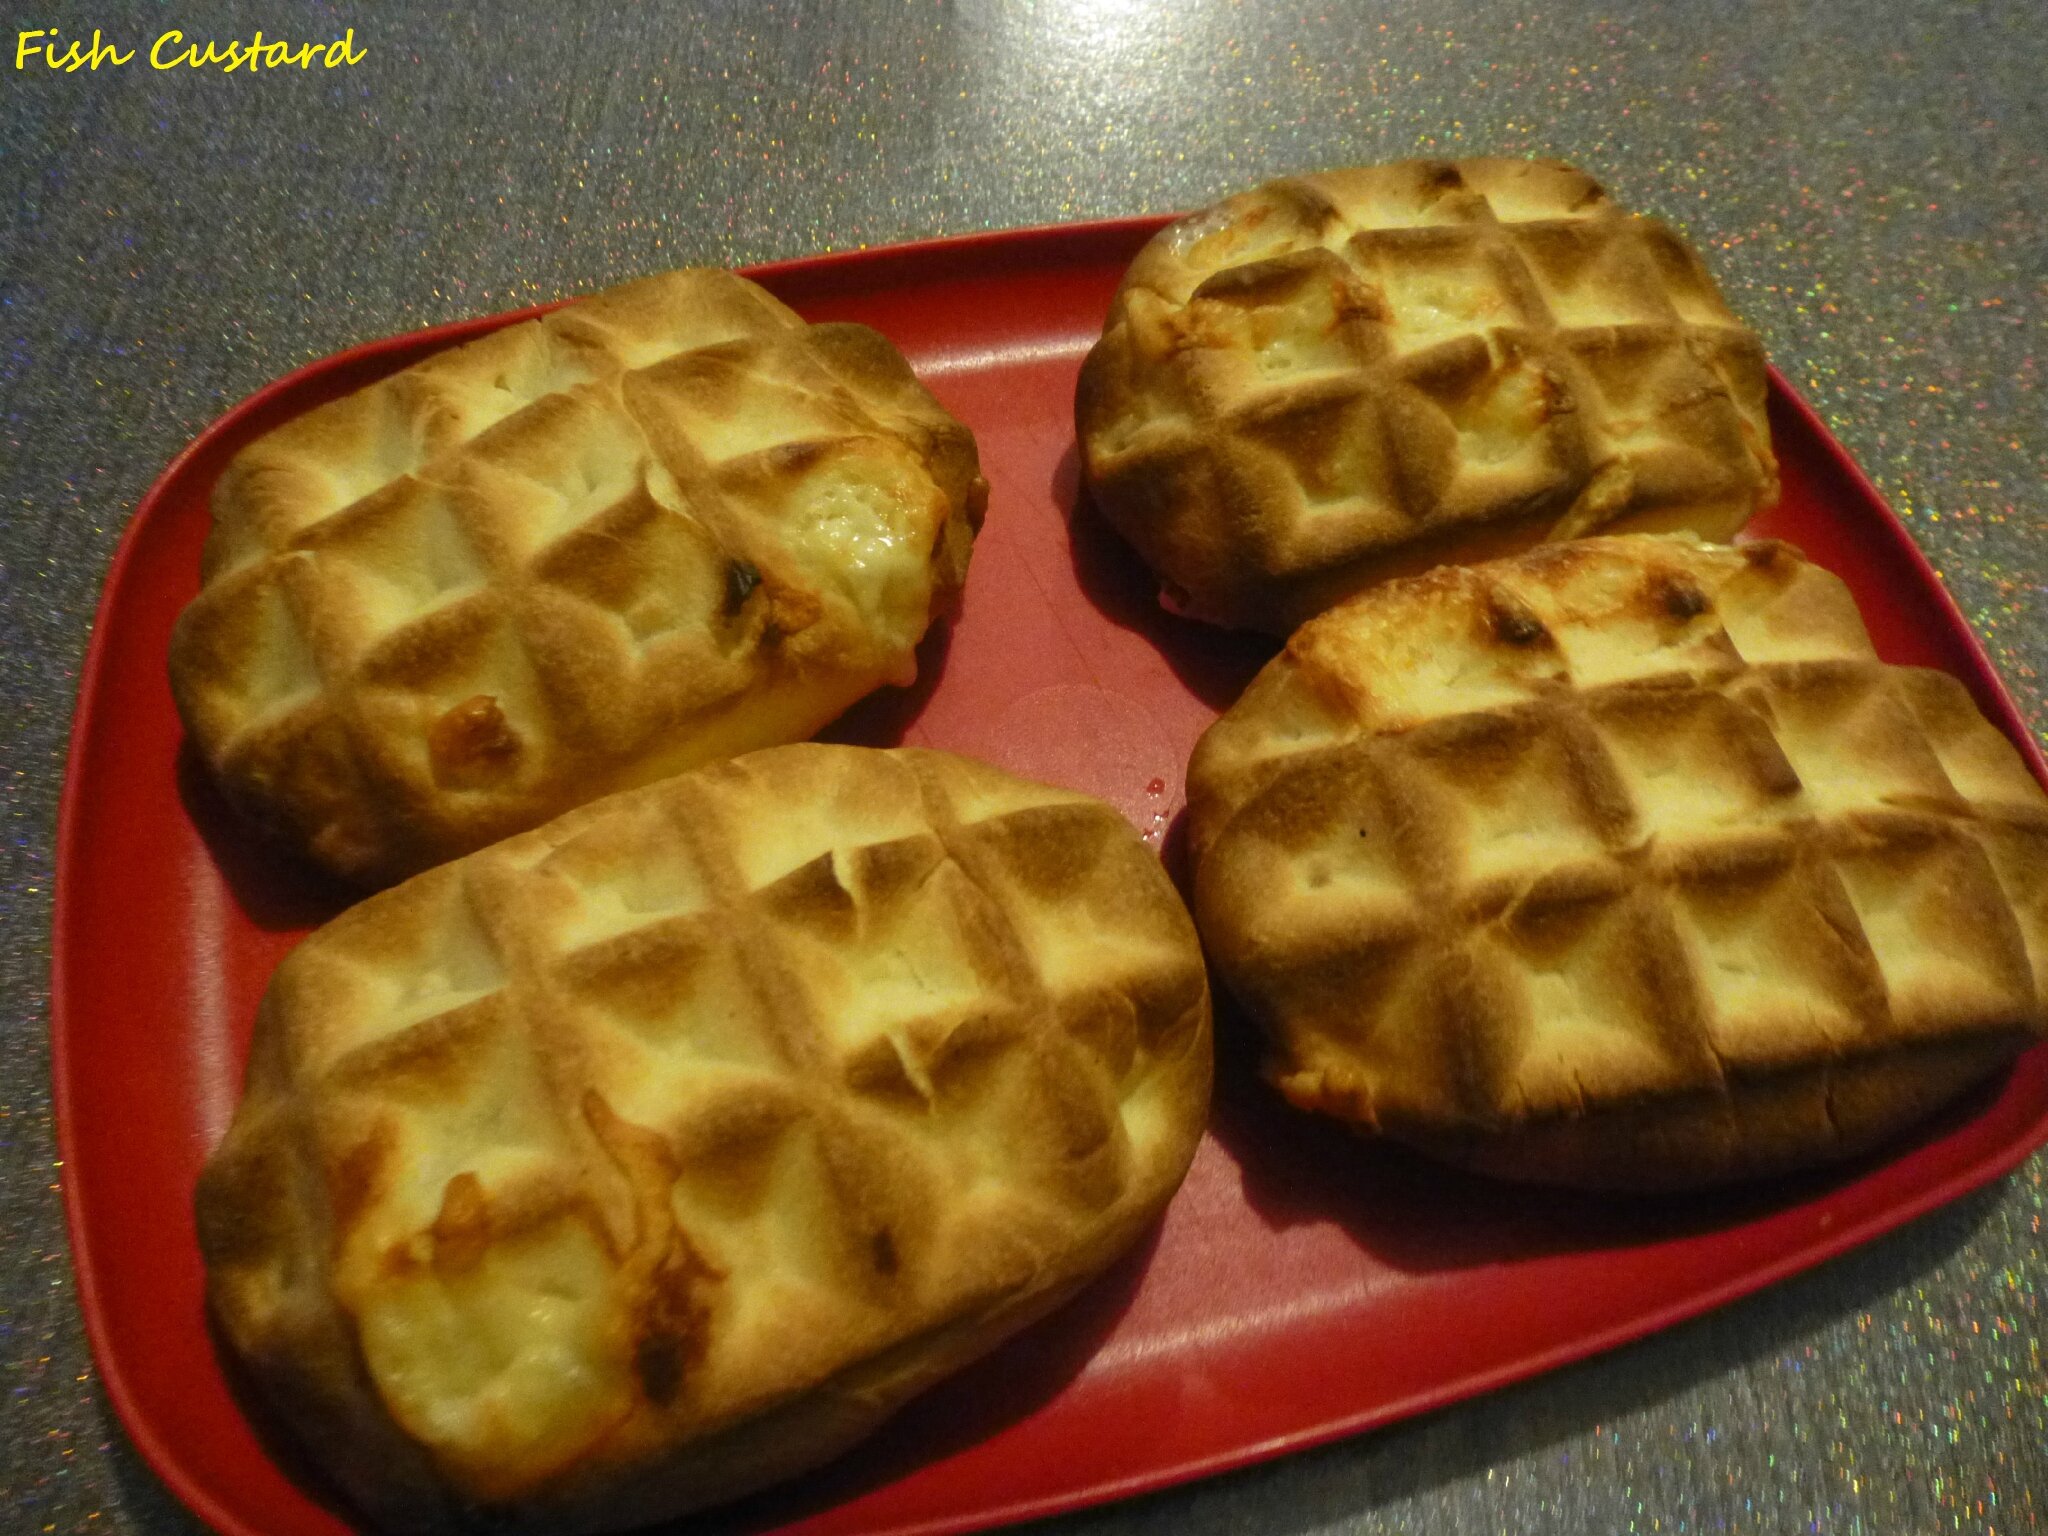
(662, 1151)
(1342, 377)
(1621, 862)
(663, 524)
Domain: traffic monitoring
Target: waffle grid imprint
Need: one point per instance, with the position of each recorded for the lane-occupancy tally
(1340, 377)
(1635, 832)
(662, 524)
(757, 1097)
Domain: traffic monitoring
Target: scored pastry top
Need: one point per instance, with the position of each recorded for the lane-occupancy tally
(795, 1080)
(664, 523)
(1345, 376)
(1616, 823)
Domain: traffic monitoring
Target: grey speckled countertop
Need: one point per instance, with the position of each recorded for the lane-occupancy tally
(1866, 178)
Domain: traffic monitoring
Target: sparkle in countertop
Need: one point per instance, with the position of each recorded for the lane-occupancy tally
(1866, 179)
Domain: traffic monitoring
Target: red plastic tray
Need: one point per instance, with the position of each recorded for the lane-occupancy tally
(1302, 1286)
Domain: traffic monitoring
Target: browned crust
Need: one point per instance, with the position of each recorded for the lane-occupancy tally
(978, 1145)
(574, 555)
(1774, 1125)
(1278, 414)
(1623, 863)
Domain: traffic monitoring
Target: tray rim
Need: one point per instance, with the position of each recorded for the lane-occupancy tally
(1036, 240)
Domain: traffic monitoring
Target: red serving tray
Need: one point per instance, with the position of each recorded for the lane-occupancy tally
(1303, 1285)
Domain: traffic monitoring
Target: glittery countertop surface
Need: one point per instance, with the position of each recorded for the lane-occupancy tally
(1866, 178)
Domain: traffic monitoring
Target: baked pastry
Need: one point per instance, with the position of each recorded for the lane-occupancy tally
(1339, 378)
(666, 523)
(1621, 863)
(663, 1151)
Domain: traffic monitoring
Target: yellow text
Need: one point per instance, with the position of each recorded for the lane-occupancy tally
(172, 50)
(71, 59)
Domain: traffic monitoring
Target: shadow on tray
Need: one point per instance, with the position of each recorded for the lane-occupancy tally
(279, 1445)
(885, 717)
(1214, 664)
(277, 890)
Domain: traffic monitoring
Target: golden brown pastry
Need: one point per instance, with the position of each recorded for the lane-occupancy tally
(664, 524)
(663, 1151)
(1339, 378)
(1624, 862)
